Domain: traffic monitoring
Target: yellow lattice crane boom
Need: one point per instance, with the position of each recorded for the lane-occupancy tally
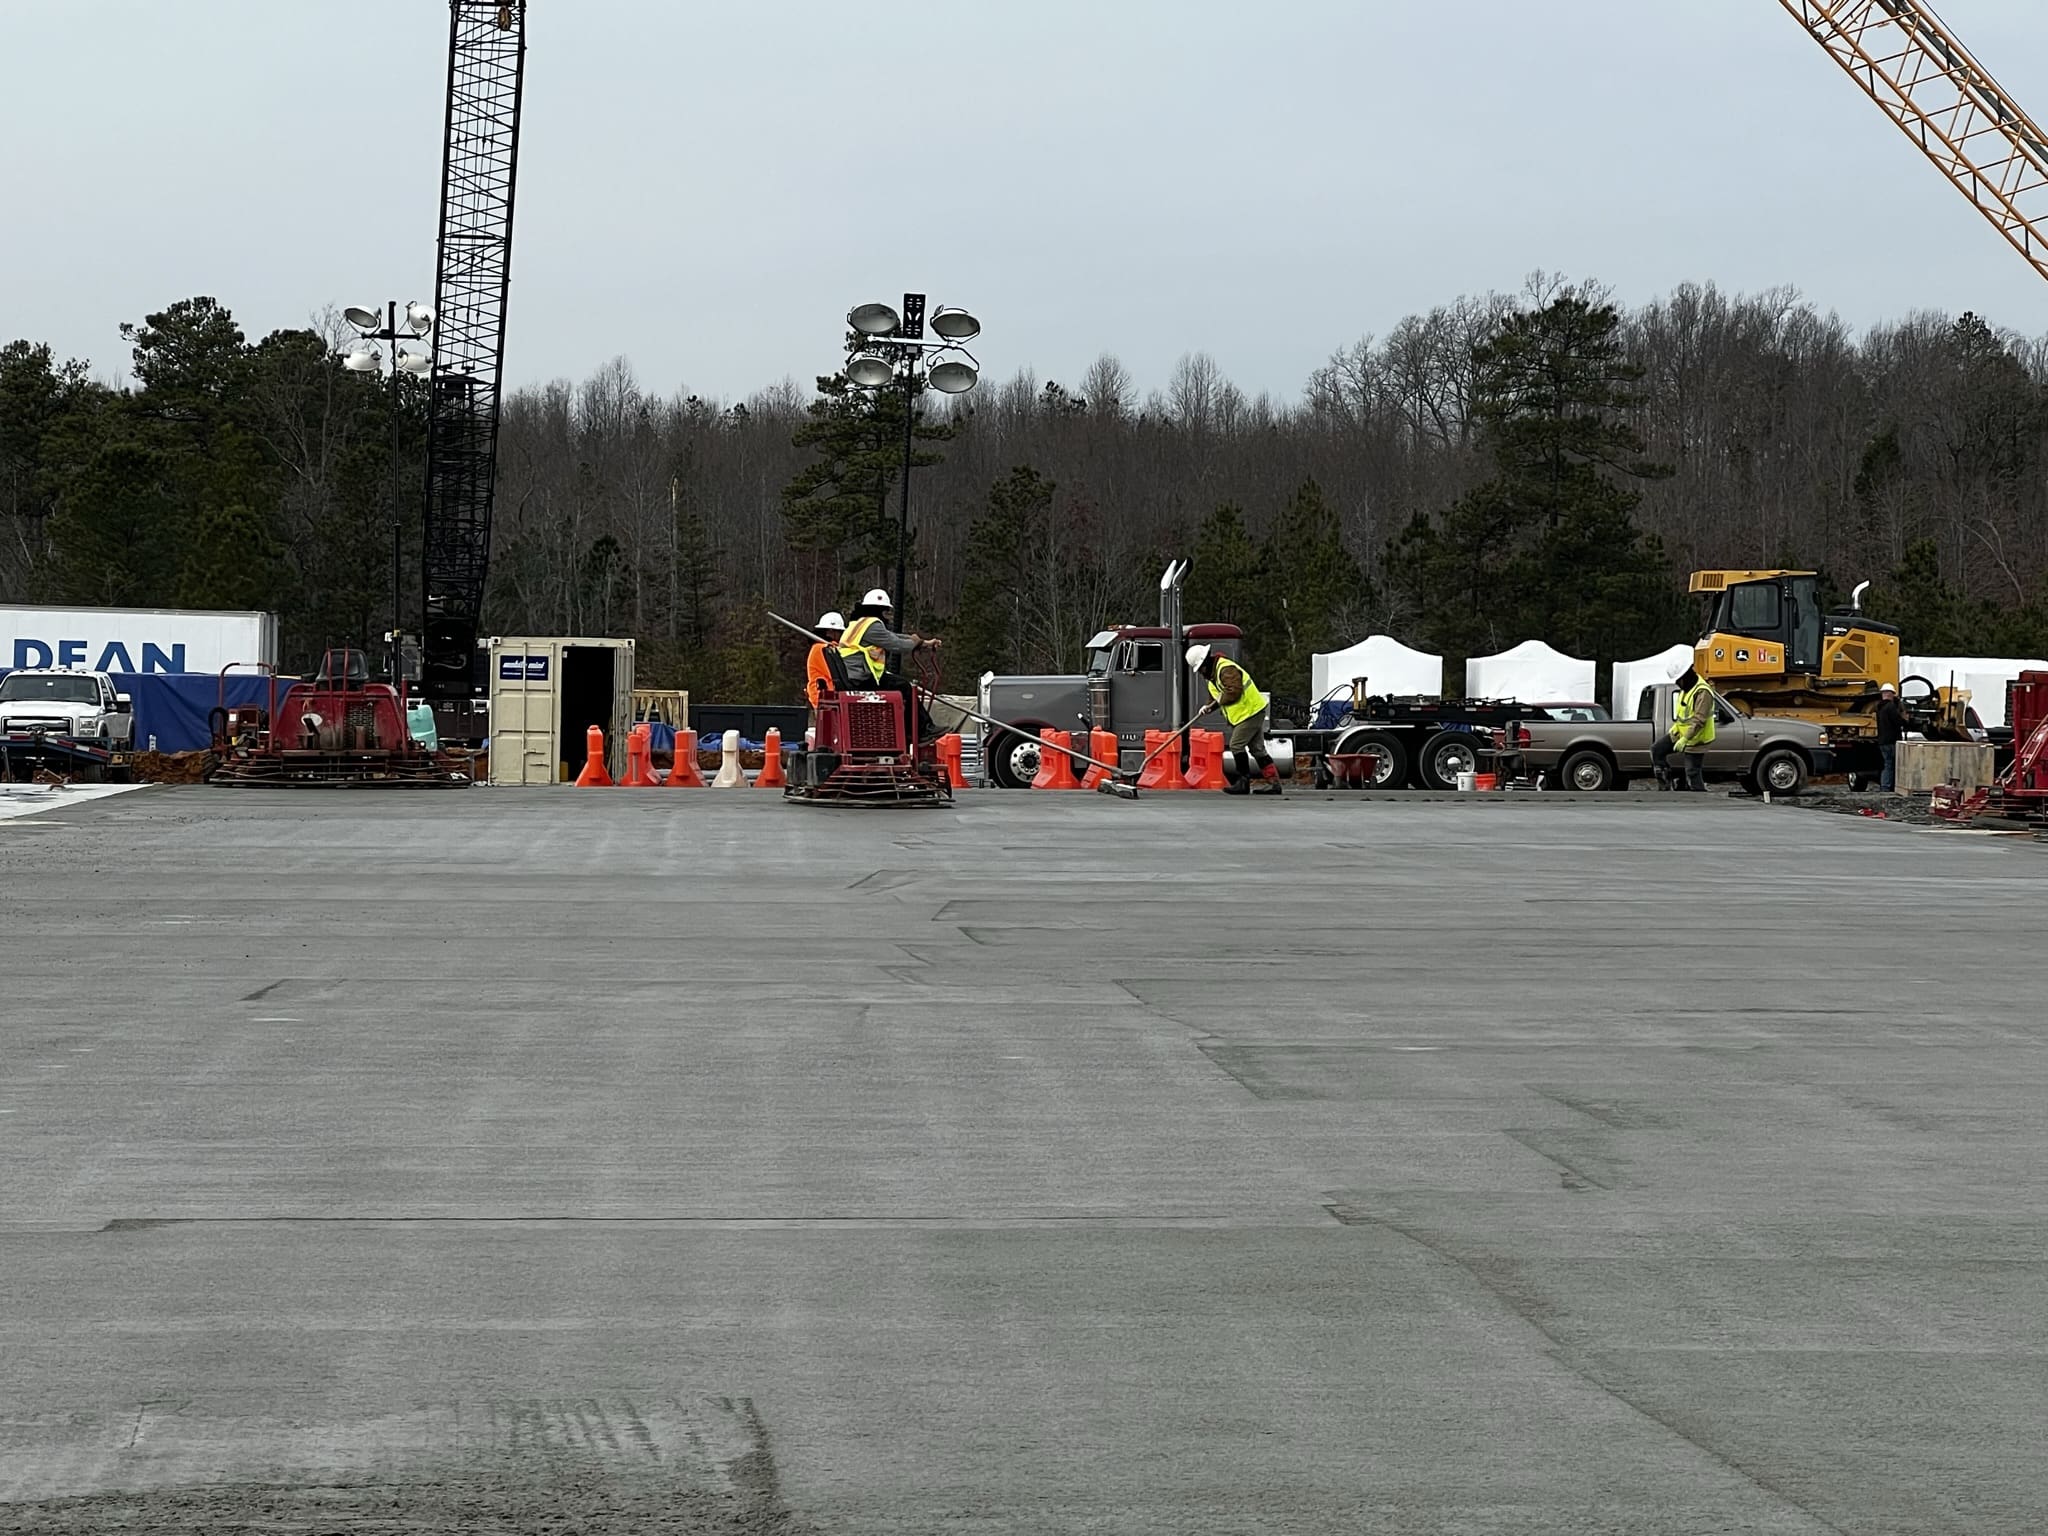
(1924, 79)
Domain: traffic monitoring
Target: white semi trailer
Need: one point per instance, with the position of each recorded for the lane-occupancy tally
(34, 635)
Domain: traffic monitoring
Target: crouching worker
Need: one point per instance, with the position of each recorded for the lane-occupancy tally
(1692, 732)
(1245, 711)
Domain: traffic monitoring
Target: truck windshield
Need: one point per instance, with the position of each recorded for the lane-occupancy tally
(1098, 661)
(42, 688)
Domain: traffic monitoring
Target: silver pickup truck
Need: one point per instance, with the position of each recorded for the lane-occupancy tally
(1761, 752)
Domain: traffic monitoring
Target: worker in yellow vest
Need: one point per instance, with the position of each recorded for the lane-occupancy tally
(1245, 710)
(873, 654)
(1693, 707)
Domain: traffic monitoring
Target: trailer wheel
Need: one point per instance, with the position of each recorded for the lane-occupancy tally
(1392, 771)
(1587, 771)
(1781, 771)
(1446, 755)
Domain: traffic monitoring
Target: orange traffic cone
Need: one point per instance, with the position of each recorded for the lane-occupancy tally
(948, 748)
(1101, 747)
(593, 774)
(1055, 767)
(1205, 760)
(684, 774)
(770, 776)
(639, 759)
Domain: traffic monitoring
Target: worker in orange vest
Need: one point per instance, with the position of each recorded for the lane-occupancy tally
(817, 666)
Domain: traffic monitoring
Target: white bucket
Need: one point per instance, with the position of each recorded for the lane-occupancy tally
(1465, 782)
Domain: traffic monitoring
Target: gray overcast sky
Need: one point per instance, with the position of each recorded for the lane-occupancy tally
(705, 188)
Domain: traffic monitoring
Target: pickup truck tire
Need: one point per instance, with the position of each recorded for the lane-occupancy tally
(1013, 755)
(1444, 756)
(1587, 771)
(1392, 772)
(1780, 770)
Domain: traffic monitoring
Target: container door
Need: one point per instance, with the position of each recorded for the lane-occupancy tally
(525, 712)
(622, 698)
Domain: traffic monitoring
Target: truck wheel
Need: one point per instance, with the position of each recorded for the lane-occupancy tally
(1446, 755)
(1013, 756)
(1392, 772)
(1586, 771)
(1781, 771)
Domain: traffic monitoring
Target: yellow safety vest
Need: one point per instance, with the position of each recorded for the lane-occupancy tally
(853, 652)
(1249, 703)
(1692, 718)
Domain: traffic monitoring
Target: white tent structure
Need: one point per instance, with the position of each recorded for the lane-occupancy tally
(1632, 677)
(1388, 666)
(1533, 673)
(1984, 676)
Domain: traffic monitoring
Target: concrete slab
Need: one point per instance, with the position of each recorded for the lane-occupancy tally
(695, 1163)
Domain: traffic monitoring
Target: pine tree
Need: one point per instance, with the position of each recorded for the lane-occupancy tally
(1310, 586)
(1548, 545)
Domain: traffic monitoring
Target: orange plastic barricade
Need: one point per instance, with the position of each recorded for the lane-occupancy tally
(1055, 767)
(948, 747)
(1163, 772)
(1205, 760)
(770, 776)
(593, 774)
(1101, 747)
(639, 759)
(685, 775)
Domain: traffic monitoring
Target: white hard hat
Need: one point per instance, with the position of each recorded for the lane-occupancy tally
(876, 598)
(832, 620)
(1887, 688)
(1197, 654)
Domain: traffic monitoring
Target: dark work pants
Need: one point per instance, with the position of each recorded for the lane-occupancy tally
(1693, 764)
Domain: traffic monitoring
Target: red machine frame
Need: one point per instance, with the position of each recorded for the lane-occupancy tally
(349, 730)
(866, 749)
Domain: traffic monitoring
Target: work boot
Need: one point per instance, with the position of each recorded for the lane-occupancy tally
(1238, 786)
(1269, 780)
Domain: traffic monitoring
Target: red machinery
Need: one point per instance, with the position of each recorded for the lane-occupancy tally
(336, 728)
(2022, 790)
(867, 749)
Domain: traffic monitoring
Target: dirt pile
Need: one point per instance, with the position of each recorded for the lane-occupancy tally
(171, 767)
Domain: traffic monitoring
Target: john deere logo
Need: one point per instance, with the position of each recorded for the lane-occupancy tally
(1742, 655)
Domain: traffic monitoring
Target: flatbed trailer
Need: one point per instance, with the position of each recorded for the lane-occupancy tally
(23, 754)
(1418, 743)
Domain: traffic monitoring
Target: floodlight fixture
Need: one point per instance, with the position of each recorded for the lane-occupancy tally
(954, 376)
(362, 359)
(870, 370)
(952, 323)
(415, 362)
(362, 319)
(419, 318)
(874, 319)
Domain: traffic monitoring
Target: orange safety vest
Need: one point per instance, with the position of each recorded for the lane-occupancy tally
(818, 672)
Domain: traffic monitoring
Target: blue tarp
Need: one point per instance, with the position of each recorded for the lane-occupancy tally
(173, 706)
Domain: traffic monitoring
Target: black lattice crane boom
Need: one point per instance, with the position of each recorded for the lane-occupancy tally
(1917, 71)
(473, 272)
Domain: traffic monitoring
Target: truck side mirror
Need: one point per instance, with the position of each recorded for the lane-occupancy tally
(124, 704)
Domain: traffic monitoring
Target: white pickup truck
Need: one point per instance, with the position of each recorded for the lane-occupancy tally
(67, 704)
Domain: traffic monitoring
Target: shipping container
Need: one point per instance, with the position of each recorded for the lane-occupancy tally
(164, 640)
(546, 693)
